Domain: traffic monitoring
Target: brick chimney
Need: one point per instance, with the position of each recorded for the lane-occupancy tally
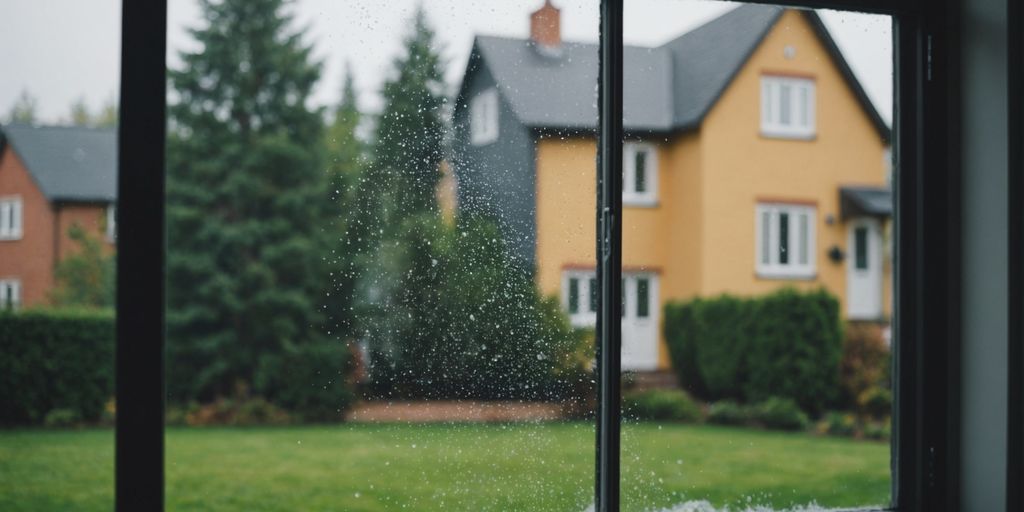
(546, 27)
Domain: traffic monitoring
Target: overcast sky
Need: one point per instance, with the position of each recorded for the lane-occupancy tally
(61, 50)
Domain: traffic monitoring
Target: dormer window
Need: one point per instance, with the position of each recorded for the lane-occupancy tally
(483, 117)
(787, 107)
(10, 218)
(640, 174)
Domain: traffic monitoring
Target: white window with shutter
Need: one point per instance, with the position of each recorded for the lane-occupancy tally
(787, 107)
(10, 218)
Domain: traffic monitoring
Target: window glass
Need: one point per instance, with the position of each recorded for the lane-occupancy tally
(641, 172)
(755, 353)
(861, 247)
(381, 268)
(58, 172)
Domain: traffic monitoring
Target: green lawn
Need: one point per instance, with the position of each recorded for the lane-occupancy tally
(529, 467)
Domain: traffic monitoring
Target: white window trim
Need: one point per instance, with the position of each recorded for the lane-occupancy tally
(793, 269)
(483, 117)
(630, 197)
(584, 317)
(15, 285)
(111, 222)
(771, 124)
(11, 206)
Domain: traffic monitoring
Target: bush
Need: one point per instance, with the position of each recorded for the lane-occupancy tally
(51, 360)
(785, 344)
(875, 402)
(795, 349)
(225, 411)
(865, 361)
(727, 412)
(662, 404)
(309, 380)
(62, 418)
(781, 414)
(878, 431)
(838, 424)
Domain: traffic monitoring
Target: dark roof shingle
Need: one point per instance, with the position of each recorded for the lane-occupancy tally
(68, 163)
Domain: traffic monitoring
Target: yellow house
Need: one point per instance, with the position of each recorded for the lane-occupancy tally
(753, 161)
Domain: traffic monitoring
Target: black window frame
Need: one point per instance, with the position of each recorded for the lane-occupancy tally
(925, 459)
(1015, 303)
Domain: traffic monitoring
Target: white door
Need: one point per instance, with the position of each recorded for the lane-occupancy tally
(640, 321)
(864, 270)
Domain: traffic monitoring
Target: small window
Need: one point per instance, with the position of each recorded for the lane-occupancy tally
(860, 240)
(574, 295)
(10, 218)
(643, 299)
(640, 174)
(483, 117)
(785, 241)
(787, 107)
(111, 222)
(10, 294)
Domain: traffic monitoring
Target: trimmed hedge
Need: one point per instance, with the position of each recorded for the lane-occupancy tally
(786, 344)
(661, 405)
(55, 361)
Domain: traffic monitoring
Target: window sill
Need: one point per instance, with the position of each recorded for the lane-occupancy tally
(782, 276)
(636, 203)
(803, 137)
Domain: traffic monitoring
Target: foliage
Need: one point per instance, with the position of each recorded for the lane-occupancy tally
(24, 109)
(875, 402)
(879, 431)
(309, 380)
(784, 344)
(662, 404)
(81, 115)
(52, 359)
(781, 414)
(728, 412)
(85, 278)
(865, 361)
(62, 417)
(838, 424)
(796, 343)
(247, 200)
(239, 411)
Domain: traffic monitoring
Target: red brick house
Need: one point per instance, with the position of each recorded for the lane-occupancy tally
(51, 178)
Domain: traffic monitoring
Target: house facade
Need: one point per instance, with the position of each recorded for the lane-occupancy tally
(51, 178)
(753, 161)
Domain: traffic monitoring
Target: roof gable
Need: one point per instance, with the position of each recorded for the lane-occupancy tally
(68, 163)
(666, 88)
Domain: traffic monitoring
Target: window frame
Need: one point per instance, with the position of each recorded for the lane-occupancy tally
(484, 117)
(925, 457)
(792, 269)
(630, 197)
(771, 105)
(14, 284)
(12, 207)
(111, 222)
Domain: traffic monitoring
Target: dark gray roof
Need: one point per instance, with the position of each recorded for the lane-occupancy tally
(666, 88)
(865, 201)
(68, 163)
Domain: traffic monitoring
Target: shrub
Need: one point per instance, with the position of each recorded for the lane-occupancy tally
(309, 380)
(795, 348)
(865, 361)
(838, 424)
(781, 414)
(53, 360)
(784, 344)
(62, 418)
(662, 404)
(875, 402)
(878, 431)
(229, 411)
(727, 412)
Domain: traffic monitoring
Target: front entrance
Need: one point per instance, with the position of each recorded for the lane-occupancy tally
(640, 309)
(640, 321)
(864, 270)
